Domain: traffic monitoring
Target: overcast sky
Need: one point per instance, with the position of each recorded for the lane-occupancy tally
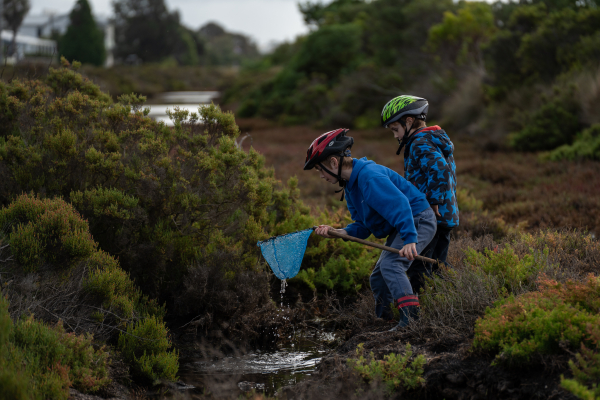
(265, 21)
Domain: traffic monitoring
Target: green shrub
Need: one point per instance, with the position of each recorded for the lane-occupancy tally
(536, 322)
(586, 370)
(158, 197)
(467, 202)
(395, 370)
(51, 348)
(506, 265)
(51, 232)
(14, 385)
(585, 147)
(145, 345)
(46, 231)
(553, 124)
(104, 293)
(42, 362)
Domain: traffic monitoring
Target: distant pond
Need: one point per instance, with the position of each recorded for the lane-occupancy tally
(189, 101)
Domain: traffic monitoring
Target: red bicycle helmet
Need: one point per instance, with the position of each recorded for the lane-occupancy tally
(330, 143)
(333, 143)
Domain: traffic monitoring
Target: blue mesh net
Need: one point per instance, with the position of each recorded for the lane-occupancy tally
(284, 253)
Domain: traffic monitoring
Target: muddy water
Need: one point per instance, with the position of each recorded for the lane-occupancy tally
(264, 371)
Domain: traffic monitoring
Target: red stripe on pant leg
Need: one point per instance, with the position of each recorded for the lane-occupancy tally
(410, 300)
(408, 304)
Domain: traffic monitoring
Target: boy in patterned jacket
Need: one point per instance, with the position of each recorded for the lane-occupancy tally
(429, 165)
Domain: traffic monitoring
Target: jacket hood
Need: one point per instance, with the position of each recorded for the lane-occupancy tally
(438, 138)
(357, 165)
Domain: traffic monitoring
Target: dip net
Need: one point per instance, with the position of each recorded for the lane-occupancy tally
(284, 253)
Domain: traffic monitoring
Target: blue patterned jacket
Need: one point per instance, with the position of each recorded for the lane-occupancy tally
(429, 165)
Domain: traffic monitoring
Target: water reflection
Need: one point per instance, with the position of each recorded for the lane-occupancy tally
(189, 101)
(268, 371)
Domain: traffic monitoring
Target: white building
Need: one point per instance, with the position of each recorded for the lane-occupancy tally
(35, 30)
(28, 47)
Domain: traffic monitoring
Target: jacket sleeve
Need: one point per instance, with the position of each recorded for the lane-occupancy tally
(434, 166)
(357, 228)
(389, 202)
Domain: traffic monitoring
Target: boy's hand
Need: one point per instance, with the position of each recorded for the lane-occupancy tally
(409, 251)
(434, 207)
(322, 230)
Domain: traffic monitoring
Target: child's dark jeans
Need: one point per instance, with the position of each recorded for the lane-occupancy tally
(389, 280)
(436, 249)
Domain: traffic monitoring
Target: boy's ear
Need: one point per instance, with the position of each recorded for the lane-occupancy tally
(333, 162)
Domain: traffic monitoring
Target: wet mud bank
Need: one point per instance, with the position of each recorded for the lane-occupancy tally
(452, 371)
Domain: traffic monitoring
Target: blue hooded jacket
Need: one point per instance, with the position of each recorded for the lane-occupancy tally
(380, 200)
(429, 165)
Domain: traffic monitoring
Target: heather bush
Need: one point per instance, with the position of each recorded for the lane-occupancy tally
(145, 345)
(69, 279)
(585, 369)
(14, 385)
(396, 371)
(514, 271)
(585, 146)
(46, 232)
(516, 328)
(41, 362)
(51, 348)
(553, 124)
(485, 271)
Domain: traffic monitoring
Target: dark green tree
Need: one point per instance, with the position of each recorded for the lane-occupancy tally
(225, 48)
(83, 41)
(146, 29)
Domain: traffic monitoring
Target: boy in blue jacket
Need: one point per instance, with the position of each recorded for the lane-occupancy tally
(429, 166)
(382, 203)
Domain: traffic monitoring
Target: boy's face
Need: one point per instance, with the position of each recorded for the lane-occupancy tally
(397, 129)
(324, 175)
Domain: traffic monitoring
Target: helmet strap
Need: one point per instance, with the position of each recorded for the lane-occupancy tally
(341, 181)
(406, 136)
(404, 139)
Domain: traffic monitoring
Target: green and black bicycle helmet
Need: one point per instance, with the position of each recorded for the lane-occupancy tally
(399, 107)
(403, 105)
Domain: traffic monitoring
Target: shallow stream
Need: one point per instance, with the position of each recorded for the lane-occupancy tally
(264, 371)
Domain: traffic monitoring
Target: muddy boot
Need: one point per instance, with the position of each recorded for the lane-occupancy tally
(409, 311)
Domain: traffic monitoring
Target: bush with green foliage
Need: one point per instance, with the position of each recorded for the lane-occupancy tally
(159, 197)
(146, 346)
(586, 146)
(463, 34)
(396, 371)
(46, 231)
(538, 322)
(586, 370)
(554, 123)
(49, 237)
(512, 270)
(41, 362)
(49, 233)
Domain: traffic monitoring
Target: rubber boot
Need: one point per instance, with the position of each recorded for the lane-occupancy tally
(409, 311)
